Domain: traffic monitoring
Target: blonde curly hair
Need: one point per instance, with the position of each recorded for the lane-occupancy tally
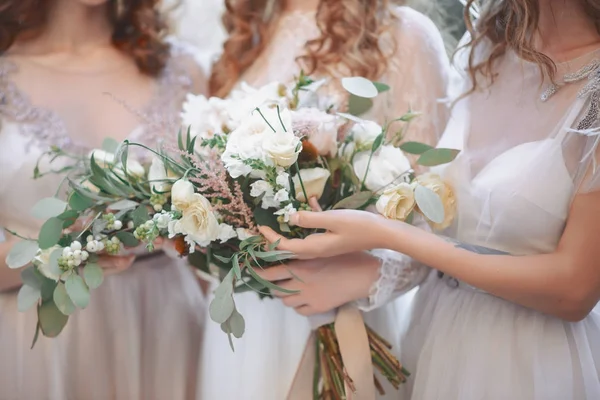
(511, 24)
(350, 39)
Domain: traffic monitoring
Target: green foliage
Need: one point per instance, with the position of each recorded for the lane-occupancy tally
(429, 203)
(77, 290)
(21, 253)
(48, 207)
(93, 275)
(434, 157)
(51, 319)
(50, 233)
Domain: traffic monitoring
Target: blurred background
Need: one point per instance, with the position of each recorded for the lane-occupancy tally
(198, 22)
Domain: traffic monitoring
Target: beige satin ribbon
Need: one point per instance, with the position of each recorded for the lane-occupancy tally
(354, 347)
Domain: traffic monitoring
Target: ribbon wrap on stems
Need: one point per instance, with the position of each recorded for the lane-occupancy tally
(355, 351)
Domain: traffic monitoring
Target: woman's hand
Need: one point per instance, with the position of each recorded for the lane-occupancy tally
(348, 231)
(325, 283)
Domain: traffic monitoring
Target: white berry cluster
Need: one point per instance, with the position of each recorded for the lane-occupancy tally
(112, 223)
(94, 245)
(158, 200)
(146, 232)
(72, 256)
(113, 246)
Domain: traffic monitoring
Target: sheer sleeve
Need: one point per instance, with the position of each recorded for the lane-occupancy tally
(398, 274)
(418, 77)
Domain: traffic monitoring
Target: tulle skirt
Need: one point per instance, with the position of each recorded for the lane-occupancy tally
(266, 358)
(139, 339)
(464, 344)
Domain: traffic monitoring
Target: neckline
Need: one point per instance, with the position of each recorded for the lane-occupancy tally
(41, 118)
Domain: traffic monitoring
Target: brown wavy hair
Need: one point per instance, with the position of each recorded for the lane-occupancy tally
(138, 28)
(349, 41)
(511, 24)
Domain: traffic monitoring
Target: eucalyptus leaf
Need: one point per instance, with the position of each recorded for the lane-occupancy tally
(268, 284)
(361, 87)
(381, 87)
(98, 226)
(377, 142)
(415, 147)
(36, 335)
(48, 208)
(274, 256)
(50, 233)
(93, 275)
(358, 105)
(237, 324)
(140, 215)
(51, 320)
(235, 263)
(127, 238)
(48, 286)
(110, 145)
(77, 291)
(79, 202)
(430, 204)
(226, 260)
(62, 300)
(251, 240)
(435, 157)
(222, 305)
(69, 217)
(31, 278)
(21, 253)
(355, 201)
(124, 204)
(28, 296)
(225, 327)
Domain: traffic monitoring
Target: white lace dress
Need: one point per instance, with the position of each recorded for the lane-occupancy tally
(266, 359)
(524, 159)
(139, 339)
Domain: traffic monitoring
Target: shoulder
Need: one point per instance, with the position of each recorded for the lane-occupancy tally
(416, 29)
(185, 65)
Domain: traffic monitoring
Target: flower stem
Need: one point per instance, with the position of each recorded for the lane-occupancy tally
(280, 120)
(301, 181)
(263, 117)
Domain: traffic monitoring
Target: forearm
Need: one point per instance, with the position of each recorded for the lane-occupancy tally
(546, 282)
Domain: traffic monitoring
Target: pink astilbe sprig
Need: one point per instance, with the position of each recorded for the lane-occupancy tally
(213, 182)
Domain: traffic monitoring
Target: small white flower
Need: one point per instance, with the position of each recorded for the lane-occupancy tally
(66, 251)
(287, 212)
(75, 245)
(84, 255)
(226, 232)
(243, 234)
(261, 187)
(281, 196)
(89, 238)
(365, 132)
(157, 207)
(162, 220)
(77, 254)
(283, 180)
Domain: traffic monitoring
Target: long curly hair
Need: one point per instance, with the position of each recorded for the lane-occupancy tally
(138, 28)
(350, 39)
(510, 24)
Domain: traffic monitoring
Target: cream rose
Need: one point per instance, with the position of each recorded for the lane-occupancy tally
(364, 133)
(282, 148)
(314, 180)
(435, 183)
(198, 222)
(42, 261)
(397, 202)
(182, 194)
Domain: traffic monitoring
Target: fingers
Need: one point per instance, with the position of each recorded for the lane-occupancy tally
(306, 310)
(270, 234)
(274, 274)
(314, 204)
(330, 220)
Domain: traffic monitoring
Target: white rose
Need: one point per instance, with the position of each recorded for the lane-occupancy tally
(324, 134)
(103, 158)
(282, 148)
(364, 133)
(182, 194)
(435, 183)
(397, 202)
(226, 232)
(387, 166)
(198, 222)
(134, 169)
(314, 180)
(42, 261)
(162, 220)
(281, 196)
(247, 98)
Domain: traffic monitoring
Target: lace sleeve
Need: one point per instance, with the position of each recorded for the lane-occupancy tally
(398, 274)
(418, 76)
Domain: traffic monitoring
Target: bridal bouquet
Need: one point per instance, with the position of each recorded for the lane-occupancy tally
(252, 159)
